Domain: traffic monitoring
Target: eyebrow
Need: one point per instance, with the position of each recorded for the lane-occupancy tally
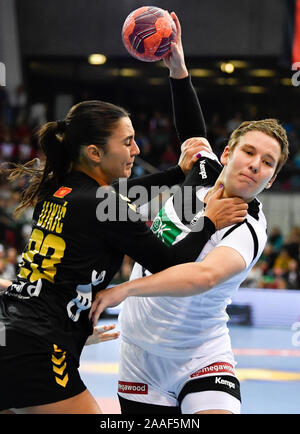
(128, 138)
(267, 155)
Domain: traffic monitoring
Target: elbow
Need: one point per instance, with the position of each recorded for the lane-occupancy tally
(203, 281)
(210, 281)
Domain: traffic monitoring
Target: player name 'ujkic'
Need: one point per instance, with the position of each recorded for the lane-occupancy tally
(51, 216)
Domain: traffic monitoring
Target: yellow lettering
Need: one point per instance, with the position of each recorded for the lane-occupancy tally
(42, 256)
(61, 215)
(51, 216)
(43, 213)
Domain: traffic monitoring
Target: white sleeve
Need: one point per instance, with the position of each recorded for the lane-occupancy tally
(247, 241)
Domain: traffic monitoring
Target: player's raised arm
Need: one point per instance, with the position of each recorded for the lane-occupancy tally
(175, 60)
(188, 116)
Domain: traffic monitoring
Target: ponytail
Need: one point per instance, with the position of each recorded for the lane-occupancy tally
(53, 142)
(43, 177)
(88, 122)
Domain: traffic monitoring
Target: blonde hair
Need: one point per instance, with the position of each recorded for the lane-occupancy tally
(272, 128)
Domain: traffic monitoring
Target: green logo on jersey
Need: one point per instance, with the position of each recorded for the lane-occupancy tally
(164, 228)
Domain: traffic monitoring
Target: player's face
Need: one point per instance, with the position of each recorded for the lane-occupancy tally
(121, 149)
(250, 167)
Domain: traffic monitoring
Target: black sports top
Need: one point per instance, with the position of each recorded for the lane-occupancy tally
(73, 253)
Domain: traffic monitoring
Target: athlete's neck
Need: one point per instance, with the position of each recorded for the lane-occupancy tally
(94, 173)
(225, 192)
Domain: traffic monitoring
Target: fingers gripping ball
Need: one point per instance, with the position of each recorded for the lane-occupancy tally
(147, 33)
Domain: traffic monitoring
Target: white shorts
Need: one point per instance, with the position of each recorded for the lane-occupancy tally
(150, 379)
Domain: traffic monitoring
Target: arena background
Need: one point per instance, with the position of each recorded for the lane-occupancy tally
(244, 59)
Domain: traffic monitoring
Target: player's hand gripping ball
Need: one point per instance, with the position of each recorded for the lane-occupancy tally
(147, 33)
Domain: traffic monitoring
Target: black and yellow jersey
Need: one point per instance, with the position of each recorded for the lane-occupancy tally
(72, 253)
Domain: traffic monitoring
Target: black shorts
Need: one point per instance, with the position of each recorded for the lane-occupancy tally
(34, 372)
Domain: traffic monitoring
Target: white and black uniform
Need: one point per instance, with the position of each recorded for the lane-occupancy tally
(177, 350)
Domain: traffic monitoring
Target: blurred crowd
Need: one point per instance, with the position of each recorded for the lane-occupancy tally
(159, 145)
(155, 135)
(278, 266)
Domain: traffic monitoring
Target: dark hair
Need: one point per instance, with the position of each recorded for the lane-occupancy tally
(88, 122)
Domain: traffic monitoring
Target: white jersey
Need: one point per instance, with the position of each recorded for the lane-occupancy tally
(195, 326)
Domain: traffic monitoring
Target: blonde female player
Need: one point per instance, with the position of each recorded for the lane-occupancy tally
(175, 341)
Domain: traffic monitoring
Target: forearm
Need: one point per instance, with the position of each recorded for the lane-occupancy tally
(168, 178)
(154, 255)
(4, 284)
(180, 281)
(183, 280)
(187, 113)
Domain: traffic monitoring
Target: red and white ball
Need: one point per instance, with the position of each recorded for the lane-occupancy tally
(147, 33)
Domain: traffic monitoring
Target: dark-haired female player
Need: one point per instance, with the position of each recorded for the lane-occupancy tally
(72, 254)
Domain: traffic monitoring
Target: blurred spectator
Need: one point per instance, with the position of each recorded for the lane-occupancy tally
(292, 243)
(22, 130)
(7, 148)
(4, 106)
(25, 151)
(158, 121)
(37, 114)
(282, 261)
(254, 277)
(168, 158)
(141, 122)
(234, 122)
(274, 280)
(9, 271)
(18, 101)
(159, 136)
(267, 259)
(279, 281)
(6, 222)
(292, 276)
(275, 238)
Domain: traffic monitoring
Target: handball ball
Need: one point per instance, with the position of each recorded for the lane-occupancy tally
(147, 33)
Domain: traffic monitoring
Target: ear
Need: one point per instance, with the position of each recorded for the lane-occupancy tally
(225, 156)
(94, 153)
(270, 182)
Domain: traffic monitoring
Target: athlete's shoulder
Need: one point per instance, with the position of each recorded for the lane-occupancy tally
(75, 187)
(255, 222)
(248, 237)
